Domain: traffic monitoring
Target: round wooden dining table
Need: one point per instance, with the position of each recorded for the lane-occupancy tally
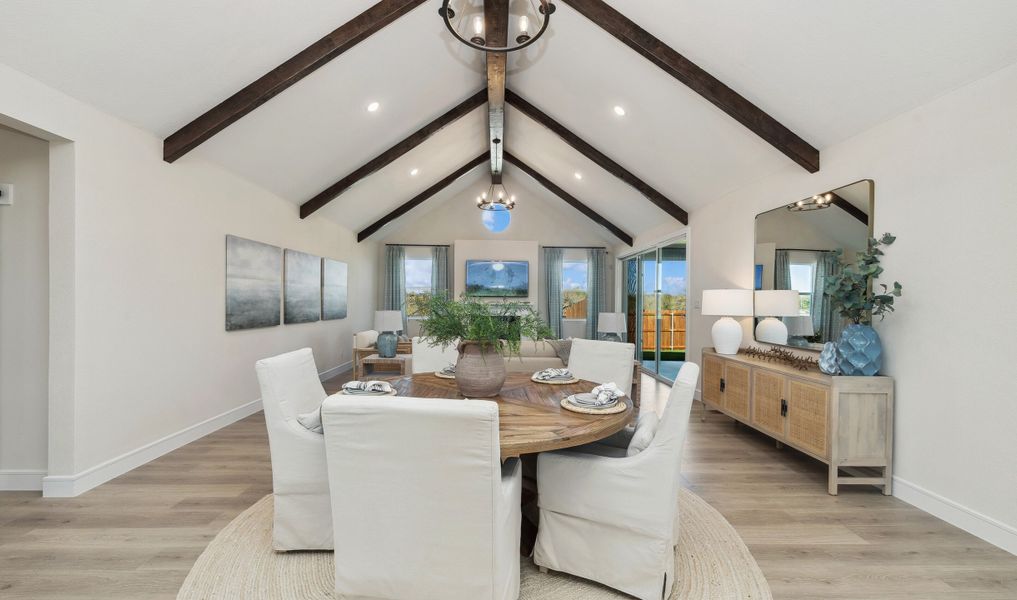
(530, 415)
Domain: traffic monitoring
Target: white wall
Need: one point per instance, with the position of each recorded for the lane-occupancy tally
(24, 311)
(945, 181)
(539, 218)
(140, 360)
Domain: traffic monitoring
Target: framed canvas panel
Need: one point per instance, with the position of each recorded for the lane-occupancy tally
(253, 284)
(334, 289)
(302, 298)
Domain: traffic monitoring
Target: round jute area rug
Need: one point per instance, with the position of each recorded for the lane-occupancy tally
(712, 563)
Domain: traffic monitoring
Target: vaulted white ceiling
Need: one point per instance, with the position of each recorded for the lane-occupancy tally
(827, 69)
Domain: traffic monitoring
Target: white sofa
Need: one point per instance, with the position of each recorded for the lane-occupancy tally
(289, 387)
(613, 518)
(428, 358)
(417, 518)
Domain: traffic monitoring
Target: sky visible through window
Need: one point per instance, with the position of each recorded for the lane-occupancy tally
(673, 277)
(801, 278)
(574, 276)
(496, 220)
(418, 275)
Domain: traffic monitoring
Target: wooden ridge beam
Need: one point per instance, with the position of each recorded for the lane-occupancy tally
(496, 25)
(700, 81)
(850, 209)
(301, 65)
(570, 199)
(598, 157)
(387, 157)
(421, 197)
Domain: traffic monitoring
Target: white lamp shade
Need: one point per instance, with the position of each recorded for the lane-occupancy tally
(727, 303)
(388, 320)
(777, 303)
(611, 323)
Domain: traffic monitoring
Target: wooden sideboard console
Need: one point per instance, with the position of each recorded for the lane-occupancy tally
(846, 422)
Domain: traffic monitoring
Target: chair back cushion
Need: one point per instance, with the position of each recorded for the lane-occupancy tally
(419, 479)
(289, 384)
(428, 358)
(365, 339)
(646, 428)
(601, 362)
(675, 421)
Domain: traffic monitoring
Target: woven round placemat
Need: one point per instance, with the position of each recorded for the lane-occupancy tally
(711, 563)
(554, 381)
(617, 408)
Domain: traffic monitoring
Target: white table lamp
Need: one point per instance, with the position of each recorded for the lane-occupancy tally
(611, 326)
(775, 303)
(387, 322)
(727, 333)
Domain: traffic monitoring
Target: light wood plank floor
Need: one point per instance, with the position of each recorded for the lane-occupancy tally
(137, 537)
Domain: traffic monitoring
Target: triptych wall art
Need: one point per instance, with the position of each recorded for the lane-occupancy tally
(266, 285)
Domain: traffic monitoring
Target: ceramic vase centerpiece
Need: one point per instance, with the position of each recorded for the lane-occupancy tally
(480, 370)
(860, 351)
(484, 332)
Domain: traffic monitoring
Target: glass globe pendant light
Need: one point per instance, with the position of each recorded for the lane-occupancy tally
(528, 20)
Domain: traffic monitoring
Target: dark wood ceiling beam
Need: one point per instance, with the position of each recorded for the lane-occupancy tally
(421, 197)
(598, 157)
(301, 65)
(496, 23)
(850, 209)
(701, 82)
(570, 199)
(387, 157)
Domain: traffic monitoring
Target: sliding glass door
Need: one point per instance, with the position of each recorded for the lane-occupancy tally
(654, 301)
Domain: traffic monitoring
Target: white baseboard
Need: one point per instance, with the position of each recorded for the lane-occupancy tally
(341, 368)
(995, 532)
(21, 480)
(68, 486)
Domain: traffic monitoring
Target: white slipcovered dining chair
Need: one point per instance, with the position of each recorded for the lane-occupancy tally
(603, 362)
(428, 358)
(290, 387)
(614, 518)
(427, 510)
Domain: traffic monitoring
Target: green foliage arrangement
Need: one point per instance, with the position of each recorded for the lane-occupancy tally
(851, 292)
(484, 323)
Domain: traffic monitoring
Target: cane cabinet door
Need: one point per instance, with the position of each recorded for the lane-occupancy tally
(808, 413)
(768, 402)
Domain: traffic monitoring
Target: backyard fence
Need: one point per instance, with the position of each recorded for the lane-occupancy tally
(672, 330)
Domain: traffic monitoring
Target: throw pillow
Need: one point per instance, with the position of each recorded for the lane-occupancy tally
(563, 348)
(311, 421)
(646, 428)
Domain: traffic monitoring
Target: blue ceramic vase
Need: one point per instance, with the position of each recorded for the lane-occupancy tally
(861, 351)
(387, 342)
(829, 358)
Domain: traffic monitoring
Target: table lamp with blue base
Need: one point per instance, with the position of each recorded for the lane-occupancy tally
(388, 322)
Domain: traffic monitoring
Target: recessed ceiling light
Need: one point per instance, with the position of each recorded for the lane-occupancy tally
(619, 111)
(578, 175)
(414, 172)
(373, 107)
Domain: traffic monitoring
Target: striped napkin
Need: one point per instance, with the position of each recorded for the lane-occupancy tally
(367, 387)
(553, 375)
(607, 392)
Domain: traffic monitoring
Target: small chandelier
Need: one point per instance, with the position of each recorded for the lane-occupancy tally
(814, 203)
(496, 198)
(528, 20)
